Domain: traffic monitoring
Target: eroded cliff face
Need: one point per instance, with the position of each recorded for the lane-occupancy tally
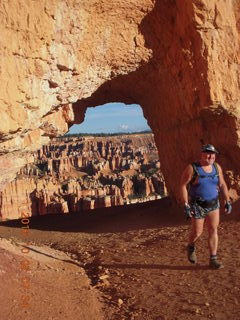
(72, 175)
(178, 59)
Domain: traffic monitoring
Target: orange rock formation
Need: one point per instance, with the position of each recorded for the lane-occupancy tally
(178, 59)
(77, 174)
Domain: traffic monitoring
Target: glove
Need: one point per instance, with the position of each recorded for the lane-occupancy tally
(228, 207)
(187, 211)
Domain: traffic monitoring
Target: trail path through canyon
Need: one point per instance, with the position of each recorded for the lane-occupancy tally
(122, 263)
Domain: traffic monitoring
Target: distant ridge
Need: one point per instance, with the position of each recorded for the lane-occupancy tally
(102, 134)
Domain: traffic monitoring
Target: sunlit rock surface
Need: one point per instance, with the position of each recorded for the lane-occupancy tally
(178, 59)
(72, 175)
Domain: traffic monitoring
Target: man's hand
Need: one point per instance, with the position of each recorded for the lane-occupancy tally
(187, 211)
(228, 207)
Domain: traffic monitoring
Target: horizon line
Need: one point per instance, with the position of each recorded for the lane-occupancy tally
(105, 133)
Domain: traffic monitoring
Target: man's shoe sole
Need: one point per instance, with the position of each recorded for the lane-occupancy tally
(193, 260)
(192, 257)
(217, 266)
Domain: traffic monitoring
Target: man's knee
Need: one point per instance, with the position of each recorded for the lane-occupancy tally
(212, 229)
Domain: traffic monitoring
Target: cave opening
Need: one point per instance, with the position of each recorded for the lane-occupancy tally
(108, 160)
(121, 163)
(112, 118)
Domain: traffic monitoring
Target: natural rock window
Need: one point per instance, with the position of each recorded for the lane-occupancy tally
(109, 160)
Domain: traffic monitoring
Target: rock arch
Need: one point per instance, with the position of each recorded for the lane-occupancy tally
(178, 59)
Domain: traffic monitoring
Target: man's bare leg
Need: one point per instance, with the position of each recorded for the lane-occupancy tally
(196, 231)
(213, 223)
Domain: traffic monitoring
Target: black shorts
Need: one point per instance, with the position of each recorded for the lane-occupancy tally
(201, 209)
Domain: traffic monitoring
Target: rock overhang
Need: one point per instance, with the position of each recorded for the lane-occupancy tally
(178, 59)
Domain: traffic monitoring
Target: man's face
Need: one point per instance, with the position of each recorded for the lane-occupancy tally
(208, 157)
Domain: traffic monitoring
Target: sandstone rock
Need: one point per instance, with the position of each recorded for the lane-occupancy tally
(56, 183)
(66, 56)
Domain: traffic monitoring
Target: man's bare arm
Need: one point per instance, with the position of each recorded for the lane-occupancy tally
(222, 184)
(185, 179)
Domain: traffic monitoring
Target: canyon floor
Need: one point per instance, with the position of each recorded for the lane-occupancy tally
(118, 263)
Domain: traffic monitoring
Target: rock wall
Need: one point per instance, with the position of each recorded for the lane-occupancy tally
(178, 59)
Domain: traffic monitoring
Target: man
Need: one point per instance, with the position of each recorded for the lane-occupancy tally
(200, 185)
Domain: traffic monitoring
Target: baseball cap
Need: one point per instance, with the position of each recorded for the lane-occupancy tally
(209, 148)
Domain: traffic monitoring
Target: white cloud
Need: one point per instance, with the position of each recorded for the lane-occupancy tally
(124, 126)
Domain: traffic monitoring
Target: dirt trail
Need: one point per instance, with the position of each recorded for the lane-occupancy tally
(44, 284)
(135, 259)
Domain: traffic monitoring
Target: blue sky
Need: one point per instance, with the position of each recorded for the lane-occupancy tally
(112, 117)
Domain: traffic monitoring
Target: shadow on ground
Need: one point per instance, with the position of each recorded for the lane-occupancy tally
(115, 219)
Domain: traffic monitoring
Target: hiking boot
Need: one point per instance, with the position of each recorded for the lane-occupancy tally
(215, 264)
(191, 252)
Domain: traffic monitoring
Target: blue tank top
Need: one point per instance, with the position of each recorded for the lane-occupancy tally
(206, 187)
